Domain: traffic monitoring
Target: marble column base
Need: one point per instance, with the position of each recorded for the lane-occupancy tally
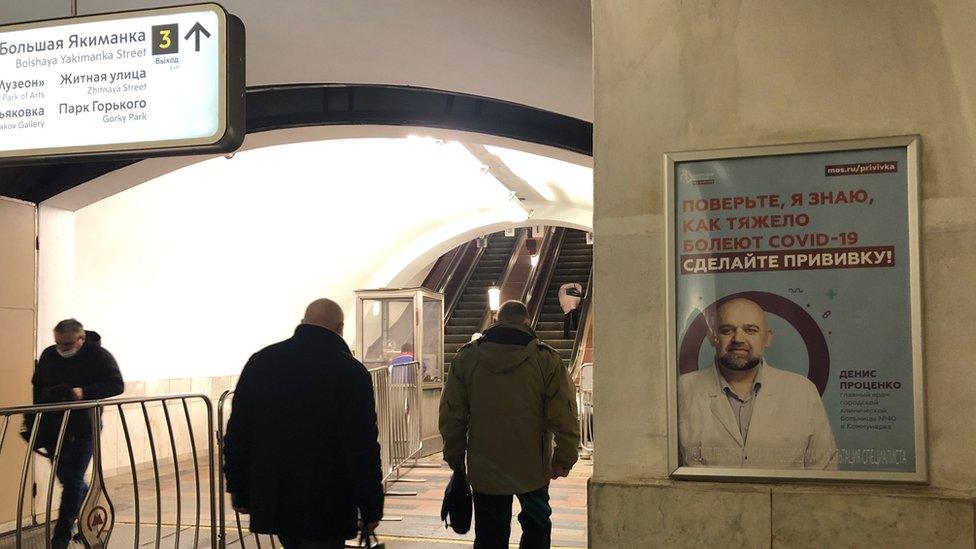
(692, 514)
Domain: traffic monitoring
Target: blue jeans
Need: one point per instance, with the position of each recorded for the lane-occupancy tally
(301, 543)
(493, 520)
(76, 454)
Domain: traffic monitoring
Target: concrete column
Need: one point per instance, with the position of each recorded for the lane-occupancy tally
(673, 76)
(17, 316)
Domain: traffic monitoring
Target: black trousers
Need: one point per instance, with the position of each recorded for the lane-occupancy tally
(493, 520)
(570, 321)
(76, 454)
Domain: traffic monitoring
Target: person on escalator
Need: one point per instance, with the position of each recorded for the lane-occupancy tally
(570, 295)
(507, 398)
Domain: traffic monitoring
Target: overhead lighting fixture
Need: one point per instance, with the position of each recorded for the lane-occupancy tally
(494, 298)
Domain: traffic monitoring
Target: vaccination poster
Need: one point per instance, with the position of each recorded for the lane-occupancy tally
(796, 345)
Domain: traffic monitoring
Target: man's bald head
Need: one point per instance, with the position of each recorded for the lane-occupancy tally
(325, 313)
(742, 307)
(740, 334)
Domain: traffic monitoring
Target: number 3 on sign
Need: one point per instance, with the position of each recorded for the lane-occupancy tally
(165, 39)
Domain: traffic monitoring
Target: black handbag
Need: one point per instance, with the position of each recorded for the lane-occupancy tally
(457, 505)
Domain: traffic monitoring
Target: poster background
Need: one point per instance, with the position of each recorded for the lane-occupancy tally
(864, 313)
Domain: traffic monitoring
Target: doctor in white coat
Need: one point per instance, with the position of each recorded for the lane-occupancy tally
(742, 412)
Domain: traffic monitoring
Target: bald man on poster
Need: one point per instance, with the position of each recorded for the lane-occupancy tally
(743, 413)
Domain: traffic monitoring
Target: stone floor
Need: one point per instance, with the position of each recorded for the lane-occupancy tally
(421, 513)
(413, 521)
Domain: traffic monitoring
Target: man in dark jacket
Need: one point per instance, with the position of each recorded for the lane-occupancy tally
(301, 451)
(76, 367)
(507, 399)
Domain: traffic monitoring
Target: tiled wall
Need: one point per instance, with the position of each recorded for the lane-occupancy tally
(115, 454)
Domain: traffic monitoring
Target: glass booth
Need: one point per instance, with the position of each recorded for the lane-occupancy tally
(406, 325)
(394, 325)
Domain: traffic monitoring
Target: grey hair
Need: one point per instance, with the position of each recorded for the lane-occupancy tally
(69, 326)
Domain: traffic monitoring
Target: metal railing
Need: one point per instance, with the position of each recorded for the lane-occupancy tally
(223, 404)
(399, 416)
(397, 391)
(99, 517)
(584, 400)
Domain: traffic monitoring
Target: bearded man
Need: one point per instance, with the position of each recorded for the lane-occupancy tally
(741, 412)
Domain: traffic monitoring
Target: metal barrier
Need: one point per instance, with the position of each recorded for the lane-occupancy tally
(584, 402)
(397, 392)
(586, 421)
(99, 517)
(383, 397)
(222, 405)
(404, 417)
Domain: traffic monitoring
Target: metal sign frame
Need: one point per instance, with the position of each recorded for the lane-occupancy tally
(672, 160)
(231, 125)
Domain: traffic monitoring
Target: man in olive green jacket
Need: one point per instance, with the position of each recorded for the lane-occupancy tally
(506, 398)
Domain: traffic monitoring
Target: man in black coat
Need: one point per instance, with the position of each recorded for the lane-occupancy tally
(76, 367)
(301, 452)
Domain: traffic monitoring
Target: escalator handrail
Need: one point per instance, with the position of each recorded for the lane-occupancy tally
(582, 328)
(530, 281)
(500, 283)
(453, 259)
(466, 277)
(537, 298)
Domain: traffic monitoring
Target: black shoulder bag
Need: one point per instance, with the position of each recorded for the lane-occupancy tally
(457, 505)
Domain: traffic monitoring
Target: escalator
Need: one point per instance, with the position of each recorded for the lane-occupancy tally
(467, 316)
(574, 262)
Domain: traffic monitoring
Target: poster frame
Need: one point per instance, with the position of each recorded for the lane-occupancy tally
(912, 146)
